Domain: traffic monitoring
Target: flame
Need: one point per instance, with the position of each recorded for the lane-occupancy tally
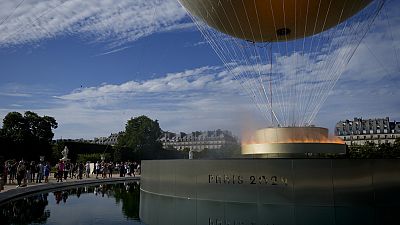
(330, 140)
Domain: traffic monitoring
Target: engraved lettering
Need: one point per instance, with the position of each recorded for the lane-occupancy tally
(218, 179)
(240, 179)
(252, 179)
(262, 180)
(226, 179)
(232, 179)
(210, 178)
(284, 180)
(274, 180)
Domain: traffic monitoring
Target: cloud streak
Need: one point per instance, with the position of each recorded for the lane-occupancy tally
(199, 80)
(115, 22)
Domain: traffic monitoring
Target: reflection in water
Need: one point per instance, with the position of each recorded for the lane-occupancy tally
(25, 211)
(51, 208)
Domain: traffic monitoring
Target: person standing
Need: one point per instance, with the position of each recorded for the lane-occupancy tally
(87, 169)
(121, 169)
(60, 171)
(21, 173)
(138, 169)
(32, 169)
(13, 171)
(110, 169)
(39, 170)
(80, 170)
(104, 168)
(71, 170)
(46, 171)
(131, 169)
(67, 167)
(27, 172)
(97, 167)
(3, 174)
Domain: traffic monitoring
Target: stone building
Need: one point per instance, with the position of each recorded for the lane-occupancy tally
(110, 140)
(360, 131)
(198, 141)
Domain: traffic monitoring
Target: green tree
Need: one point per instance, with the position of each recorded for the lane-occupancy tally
(142, 137)
(15, 127)
(27, 136)
(28, 127)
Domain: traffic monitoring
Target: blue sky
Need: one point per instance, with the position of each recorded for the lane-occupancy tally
(94, 64)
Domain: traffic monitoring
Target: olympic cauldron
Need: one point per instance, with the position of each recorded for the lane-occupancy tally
(286, 141)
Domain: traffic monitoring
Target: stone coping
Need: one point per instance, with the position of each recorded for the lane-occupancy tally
(15, 193)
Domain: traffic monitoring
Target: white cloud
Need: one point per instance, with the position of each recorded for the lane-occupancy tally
(204, 79)
(115, 22)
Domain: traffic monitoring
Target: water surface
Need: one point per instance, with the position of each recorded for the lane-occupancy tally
(100, 204)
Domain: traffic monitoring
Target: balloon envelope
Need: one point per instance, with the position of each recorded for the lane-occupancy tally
(273, 20)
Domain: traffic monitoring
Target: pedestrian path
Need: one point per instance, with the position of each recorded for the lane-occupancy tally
(12, 191)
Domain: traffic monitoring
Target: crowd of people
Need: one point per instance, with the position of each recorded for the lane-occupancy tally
(24, 172)
(101, 169)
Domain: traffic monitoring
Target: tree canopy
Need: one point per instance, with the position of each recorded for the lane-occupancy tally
(29, 126)
(28, 135)
(141, 136)
(372, 150)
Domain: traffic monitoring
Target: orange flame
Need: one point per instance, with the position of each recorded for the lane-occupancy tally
(330, 140)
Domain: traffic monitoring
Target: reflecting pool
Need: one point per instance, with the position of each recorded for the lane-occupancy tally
(100, 204)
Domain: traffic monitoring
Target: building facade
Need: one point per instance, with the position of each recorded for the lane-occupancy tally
(361, 131)
(110, 140)
(198, 141)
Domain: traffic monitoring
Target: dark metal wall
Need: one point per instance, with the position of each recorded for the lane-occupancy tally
(270, 191)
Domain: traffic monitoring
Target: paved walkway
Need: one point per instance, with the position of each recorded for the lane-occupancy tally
(12, 191)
